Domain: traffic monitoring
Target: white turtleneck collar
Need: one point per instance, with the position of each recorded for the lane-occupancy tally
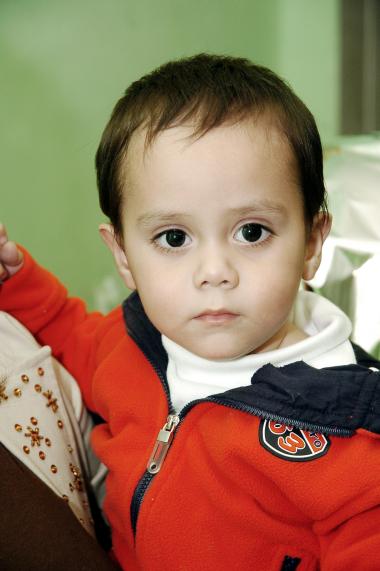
(191, 377)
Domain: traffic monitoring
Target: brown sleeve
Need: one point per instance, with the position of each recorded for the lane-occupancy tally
(38, 531)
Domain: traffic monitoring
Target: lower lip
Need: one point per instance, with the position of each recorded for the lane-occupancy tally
(218, 318)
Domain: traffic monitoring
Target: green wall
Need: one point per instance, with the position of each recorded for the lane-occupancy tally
(63, 66)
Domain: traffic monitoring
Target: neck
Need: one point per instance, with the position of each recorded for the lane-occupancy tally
(286, 336)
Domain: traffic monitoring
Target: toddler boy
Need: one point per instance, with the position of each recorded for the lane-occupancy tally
(238, 432)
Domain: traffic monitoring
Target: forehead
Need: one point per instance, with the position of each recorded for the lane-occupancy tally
(227, 156)
(265, 126)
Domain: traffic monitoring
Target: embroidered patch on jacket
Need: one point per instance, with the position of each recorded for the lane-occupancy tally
(290, 443)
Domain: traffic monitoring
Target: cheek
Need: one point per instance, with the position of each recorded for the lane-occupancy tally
(280, 268)
(154, 272)
(275, 284)
(163, 310)
(290, 264)
(160, 292)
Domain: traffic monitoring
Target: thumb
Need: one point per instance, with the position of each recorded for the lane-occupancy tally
(12, 258)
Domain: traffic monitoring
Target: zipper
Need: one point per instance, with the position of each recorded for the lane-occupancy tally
(343, 432)
(290, 563)
(164, 439)
(167, 433)
(137, 498)
(145, 480)
(169, 430)
(161, 448)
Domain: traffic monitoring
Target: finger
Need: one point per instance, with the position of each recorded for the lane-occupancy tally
(3, 234)
(11, 255)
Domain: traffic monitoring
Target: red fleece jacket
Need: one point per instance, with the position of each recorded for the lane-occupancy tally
(222, 500)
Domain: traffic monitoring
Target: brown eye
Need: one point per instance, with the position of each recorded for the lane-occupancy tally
(173, 238)
(251, 233)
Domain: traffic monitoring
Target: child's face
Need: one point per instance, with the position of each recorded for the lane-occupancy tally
(215, 238)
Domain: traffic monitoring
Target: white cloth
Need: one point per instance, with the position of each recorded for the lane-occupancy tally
(350, 268)
(191, 377)
(43, 419)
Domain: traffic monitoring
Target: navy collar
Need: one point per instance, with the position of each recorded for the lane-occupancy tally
(344, 398)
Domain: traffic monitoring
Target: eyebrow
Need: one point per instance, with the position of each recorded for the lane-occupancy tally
(161, 216)
(262, 207)
(166, 217)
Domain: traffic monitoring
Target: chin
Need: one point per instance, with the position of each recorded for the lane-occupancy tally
(218, 355)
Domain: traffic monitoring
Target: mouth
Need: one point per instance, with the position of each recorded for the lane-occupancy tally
(216, 316)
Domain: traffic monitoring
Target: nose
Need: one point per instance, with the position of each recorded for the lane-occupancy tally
(215, 269)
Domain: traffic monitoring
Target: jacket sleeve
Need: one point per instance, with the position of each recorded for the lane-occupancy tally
(77, 337)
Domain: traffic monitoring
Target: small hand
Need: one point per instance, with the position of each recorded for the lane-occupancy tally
(11, 258)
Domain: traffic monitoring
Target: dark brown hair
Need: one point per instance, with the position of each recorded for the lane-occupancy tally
(207, 90)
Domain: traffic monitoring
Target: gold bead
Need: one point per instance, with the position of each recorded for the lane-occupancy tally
(17, 392)
(66, 498)
(18, 427)
(74, 470)
(25, 378)
(40, 371)
(42, 455)
(54, 469)
(60, 423)
(47, 441)
(26, 449)
(37, 388)
(33, 420)
(70, 448)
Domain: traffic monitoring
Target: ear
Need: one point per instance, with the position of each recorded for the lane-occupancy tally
(108, 236)
(317, 235)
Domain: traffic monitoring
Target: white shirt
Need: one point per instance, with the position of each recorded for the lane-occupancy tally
(191, 377)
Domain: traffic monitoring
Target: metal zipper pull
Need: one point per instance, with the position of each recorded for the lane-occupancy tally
(164, 439)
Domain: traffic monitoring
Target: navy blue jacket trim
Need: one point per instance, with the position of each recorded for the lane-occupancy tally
(143, 332)
(345, 397)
